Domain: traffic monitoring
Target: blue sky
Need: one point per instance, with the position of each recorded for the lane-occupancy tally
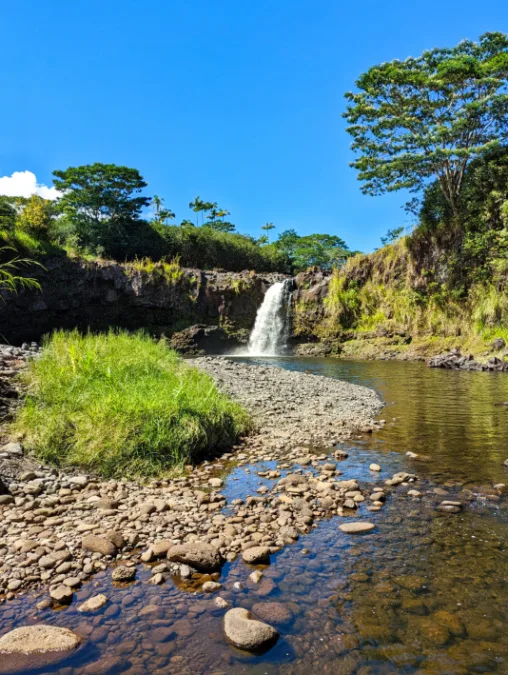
(237, 101)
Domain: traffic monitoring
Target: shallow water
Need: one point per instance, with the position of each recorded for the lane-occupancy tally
(424, 593)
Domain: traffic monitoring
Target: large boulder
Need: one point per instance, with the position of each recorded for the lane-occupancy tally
(201, 339)
(246, 632)
(38, 646)
(197, 554)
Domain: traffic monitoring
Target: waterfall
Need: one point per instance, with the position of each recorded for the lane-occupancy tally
(270, 334)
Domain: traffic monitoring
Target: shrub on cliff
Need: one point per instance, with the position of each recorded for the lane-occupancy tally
(122, 404)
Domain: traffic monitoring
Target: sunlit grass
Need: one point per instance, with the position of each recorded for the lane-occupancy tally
(122, 404)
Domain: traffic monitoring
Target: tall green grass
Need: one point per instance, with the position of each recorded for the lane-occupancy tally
(121, 404)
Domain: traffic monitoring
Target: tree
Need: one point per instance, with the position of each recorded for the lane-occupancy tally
(36, 215)
(216, 218)
(320, 250)
(162, 215)
(428, 117)
(103, 204)
(198, 205)
(266, 228)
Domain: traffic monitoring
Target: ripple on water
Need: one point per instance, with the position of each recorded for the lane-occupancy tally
(423, 593)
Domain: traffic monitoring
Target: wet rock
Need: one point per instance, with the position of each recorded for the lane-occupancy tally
(356, 528)
(62, 594)
(93, 604)
(220, 602)
(198, 555)
(450, 506)
(375, 467)
(29, 643)
(257, 555)
(123, 573)
(275, 613)
(245, 632)
(211, 586)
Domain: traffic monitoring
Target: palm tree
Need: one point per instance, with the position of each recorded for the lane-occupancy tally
(161, 214)
(197, 206)
(157, 202)
(266, 227)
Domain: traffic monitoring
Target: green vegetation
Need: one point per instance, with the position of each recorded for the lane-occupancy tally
(438, 126)
(10, 279)
(429, 117)
(101, 212)
(122, 405)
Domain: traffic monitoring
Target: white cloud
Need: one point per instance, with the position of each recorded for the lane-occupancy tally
(24, 184)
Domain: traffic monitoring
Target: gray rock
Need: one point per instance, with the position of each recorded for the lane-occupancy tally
(257, 555)
(356, 528)
(40, 638)
(123, 573)
(93, 604)
(197, 554)
(61, 594)
(246, 632)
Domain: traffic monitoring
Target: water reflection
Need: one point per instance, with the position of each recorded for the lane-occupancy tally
(424, 593)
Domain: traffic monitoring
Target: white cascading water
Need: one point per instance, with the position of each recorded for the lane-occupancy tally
(270, 334)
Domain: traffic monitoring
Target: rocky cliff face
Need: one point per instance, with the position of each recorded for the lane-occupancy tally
(101, 294)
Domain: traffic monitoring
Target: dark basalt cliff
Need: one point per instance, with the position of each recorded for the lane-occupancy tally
(101, 294)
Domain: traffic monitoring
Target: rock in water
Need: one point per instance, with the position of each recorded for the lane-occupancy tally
(197, 554)
(356, 528)
(123, 573)
(39, 646)
(257, 555)
(273, 612)
(93, 604)
(245, 632)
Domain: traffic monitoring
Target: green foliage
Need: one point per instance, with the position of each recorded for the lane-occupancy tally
(314, 250)
(428, 117)
(170, 271)
(100, 203)
(392, 236)
(36, 215)
(472, 252)
(7, 213)
(342, 302)
(122, 405)
(162, 215)
(206, 248)
(10, 279)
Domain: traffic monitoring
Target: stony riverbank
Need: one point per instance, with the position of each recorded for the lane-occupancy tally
(59, 528)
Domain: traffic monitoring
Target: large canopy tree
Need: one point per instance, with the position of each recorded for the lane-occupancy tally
(103, 203)
(427, 118)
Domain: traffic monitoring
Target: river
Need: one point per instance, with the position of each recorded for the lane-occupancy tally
(424, 593)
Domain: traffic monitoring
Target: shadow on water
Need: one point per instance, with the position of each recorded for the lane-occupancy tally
(423, 594)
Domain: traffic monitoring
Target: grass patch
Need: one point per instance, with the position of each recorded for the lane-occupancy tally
(122, 405)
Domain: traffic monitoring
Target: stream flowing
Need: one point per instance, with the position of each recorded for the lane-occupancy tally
(425, 593)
